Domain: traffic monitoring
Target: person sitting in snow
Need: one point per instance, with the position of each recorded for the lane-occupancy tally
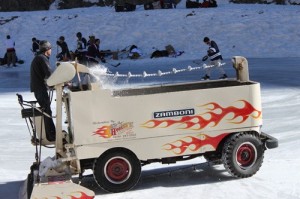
(172, 52)
(134, 52)
(10, 51)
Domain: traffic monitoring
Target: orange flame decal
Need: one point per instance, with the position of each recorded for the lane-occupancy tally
(180, 146)
(199, 122)
(103, 131)
(82, 196)
(244, 112)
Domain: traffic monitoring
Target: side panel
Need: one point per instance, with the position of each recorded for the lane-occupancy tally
(164, 124)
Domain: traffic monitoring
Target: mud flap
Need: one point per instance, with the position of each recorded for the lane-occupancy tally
(65, 189)
(271, 142)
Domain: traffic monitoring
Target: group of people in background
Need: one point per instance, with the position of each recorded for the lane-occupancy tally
(41, 69)
(87, 51)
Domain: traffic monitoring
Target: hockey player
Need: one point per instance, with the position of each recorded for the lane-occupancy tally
(64, 55)
(81, 47)
(215, 56)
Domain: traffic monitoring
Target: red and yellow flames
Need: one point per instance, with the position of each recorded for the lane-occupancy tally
(193, 143)
(75, 195)
(214, 115)
(82, 196)
(103, 131)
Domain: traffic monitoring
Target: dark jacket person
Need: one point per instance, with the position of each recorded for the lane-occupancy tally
(40, 70)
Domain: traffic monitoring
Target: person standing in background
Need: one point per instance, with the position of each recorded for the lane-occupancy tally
(93, 54)
(215, 56)
(35, 46)
(64, 55)
(81, 47)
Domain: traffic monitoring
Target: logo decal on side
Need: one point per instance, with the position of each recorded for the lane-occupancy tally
(119, 130)
(174, 113)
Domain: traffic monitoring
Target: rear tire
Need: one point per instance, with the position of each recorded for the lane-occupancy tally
(117, 171)
(243, 154)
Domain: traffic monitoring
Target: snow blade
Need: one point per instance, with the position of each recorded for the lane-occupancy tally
(65, 189)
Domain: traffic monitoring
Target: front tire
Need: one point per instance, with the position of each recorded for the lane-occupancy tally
(117, 171)
(243, 154)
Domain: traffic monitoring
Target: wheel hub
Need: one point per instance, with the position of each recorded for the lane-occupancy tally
(246, 155)
(117, 170)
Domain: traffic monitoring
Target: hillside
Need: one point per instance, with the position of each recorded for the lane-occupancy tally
(248, 30)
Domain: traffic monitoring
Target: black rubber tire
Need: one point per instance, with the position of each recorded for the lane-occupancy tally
(243, 154)
(117, 171)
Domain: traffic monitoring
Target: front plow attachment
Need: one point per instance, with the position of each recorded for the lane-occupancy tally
(61, 190)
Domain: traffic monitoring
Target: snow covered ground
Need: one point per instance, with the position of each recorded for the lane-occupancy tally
(268, 35)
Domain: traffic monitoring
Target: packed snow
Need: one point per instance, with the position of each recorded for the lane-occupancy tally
(267, 35)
